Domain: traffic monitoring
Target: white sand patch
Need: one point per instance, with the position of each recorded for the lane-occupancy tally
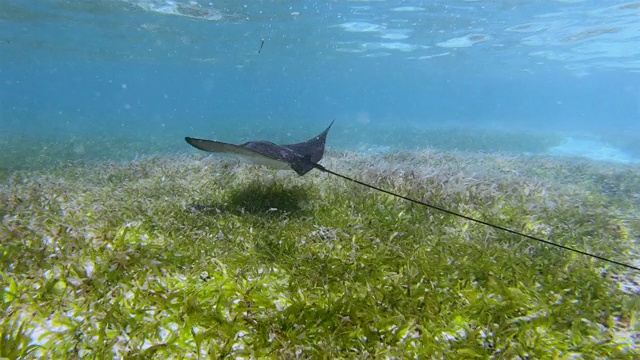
(591, 149)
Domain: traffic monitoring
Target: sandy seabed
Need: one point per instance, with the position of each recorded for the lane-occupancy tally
(182, 255)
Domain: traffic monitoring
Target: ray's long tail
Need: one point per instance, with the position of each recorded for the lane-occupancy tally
(422, 203)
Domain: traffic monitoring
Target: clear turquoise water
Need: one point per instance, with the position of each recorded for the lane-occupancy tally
(153, 71)
(114, 79)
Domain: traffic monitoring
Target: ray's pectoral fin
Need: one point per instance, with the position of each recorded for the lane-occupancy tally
(313, 148)
(302, 165)
(207, 145)
(221, 147)
(301, 157)
(242, 152)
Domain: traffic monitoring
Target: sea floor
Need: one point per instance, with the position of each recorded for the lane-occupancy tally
(180, 255)
(593, 150)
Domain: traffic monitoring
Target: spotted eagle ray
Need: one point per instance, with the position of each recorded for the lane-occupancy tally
(304, 157)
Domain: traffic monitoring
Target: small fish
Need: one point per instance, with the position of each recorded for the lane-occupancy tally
(261, 45)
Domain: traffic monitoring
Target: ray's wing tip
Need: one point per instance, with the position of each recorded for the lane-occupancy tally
(196, 143)
(326, 131)
(191, 141)
(331, 124)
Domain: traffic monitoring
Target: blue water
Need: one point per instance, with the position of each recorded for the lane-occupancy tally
(154, 69)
